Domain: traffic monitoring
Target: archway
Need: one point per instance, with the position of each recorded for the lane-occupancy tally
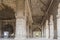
(7, 20)
(37, 32)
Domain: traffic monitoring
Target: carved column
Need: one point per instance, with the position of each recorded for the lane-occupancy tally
(20, 21)
(51, 27)
(47, 29)
(44, 30)
(58, 21)
(55, 26)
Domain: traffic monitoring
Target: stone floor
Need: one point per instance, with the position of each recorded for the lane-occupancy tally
(31, 39)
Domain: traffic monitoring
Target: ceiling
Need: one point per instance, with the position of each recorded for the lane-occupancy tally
(6, 12)
(38, 8)
(7, 9)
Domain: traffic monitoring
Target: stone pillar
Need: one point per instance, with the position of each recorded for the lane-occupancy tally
(30, 31)
(42, 32)
(55, 26)
(58, 27)
(51, 27)
(29, 15)
(0, 27)
(58, 21)
(20, 21)
(54, 11)
(47, 29)
(27, 30)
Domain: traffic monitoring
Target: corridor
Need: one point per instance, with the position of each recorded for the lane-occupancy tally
(29, 19)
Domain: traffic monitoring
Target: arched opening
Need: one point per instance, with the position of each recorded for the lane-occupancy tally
(7, 21)
(7, 28)
(37, 32)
